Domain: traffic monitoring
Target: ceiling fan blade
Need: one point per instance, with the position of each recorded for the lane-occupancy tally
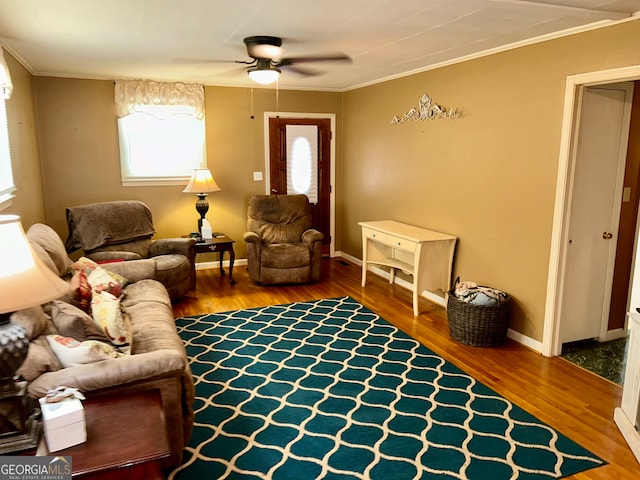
(337, 57)
(198, 61)
(302, 71)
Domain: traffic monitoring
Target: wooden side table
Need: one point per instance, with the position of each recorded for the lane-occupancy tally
(126, 438)
(219, 243)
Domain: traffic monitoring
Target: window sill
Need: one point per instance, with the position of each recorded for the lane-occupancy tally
(6, 201)
(154, 182)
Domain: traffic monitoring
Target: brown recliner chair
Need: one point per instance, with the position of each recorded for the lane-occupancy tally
(281, 245)
(122, 230)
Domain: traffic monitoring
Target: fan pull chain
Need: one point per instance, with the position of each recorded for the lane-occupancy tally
(252, 116)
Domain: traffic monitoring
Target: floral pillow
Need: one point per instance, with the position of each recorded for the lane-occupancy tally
(107, 314)
(80, 294)
(99, 278)
(71, 352)
(89, 278)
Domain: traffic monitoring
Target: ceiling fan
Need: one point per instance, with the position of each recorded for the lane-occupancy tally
(266, 64)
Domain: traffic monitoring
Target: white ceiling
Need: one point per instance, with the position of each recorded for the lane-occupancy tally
(184, 40)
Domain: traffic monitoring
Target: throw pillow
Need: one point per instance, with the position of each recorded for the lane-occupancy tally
(74, 322)
(40, 359)
(80, 291)
(33, 320)
(99, 278)
(108, 316)
(71, 352)
(102, 280)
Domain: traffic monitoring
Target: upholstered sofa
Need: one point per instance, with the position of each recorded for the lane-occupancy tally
(282, 246)
(156, 357)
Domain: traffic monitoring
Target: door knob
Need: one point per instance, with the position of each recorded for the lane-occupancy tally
(273, 190)
(607, 235)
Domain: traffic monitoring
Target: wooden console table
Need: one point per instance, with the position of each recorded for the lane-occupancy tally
(425, 254)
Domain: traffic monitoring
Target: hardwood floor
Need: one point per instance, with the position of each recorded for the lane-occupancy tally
(575, 402)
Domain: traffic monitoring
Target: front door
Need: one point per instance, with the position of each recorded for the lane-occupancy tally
(594, 212)
(299, 162)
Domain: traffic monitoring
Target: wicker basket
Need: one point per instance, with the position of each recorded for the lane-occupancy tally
(478, 325)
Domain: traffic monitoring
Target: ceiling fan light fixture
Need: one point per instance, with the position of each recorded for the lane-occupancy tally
(264, 75)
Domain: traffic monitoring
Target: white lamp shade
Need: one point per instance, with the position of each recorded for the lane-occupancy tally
(25, 281)
(201, 181)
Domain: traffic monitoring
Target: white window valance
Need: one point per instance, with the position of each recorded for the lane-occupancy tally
(132, 96)
(6, 87)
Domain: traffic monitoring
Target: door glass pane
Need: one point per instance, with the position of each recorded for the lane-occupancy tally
(302, 160)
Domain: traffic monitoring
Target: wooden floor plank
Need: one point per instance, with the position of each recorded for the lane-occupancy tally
(575, 402)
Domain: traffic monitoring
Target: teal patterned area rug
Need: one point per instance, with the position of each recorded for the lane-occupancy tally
(328, 389)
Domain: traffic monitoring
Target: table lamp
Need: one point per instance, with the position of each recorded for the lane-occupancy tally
(25, 281)
(200, 183)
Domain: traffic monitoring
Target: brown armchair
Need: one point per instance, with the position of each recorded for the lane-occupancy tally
(122, 230)
(281, 245)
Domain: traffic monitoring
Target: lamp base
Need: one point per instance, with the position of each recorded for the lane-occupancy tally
(202, 206)
(20, 425)
(22, 442)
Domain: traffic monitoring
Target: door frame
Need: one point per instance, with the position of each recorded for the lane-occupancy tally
(616, 198)
(332, 164)
(551, 343)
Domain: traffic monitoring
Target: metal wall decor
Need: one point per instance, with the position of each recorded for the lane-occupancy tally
(427, 110)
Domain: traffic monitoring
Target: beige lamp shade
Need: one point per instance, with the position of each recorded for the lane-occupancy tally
(25, 281)
(201, 182)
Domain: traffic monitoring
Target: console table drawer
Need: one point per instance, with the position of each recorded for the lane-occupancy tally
(401, 243)
(375, 235)
(390, 240)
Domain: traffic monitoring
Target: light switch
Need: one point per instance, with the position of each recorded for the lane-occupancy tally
(257, 176)
(626, 194)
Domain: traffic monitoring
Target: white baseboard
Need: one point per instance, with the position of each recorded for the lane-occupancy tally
(524, 340)
(216, 264)
(628, 431)
(437, 299)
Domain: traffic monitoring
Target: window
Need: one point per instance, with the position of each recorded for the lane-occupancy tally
(161, 130)
(6, 174)
(302, 160)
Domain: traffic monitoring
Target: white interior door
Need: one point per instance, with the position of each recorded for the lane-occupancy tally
(594, 212)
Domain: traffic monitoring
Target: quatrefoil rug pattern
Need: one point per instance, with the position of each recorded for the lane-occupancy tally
(328, 389)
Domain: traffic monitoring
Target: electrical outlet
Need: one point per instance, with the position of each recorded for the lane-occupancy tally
(257, 176)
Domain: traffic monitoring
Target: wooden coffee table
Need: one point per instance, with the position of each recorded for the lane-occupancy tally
(126, 438)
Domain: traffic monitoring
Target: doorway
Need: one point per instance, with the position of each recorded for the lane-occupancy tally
(300, 158)
(600, 150)
(561, 234)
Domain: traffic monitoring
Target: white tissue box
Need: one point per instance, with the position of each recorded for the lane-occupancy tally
(207, 234)
(64, 423)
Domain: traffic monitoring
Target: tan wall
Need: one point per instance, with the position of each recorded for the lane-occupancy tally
(79, 145)
(25, 159)
(488, 177)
